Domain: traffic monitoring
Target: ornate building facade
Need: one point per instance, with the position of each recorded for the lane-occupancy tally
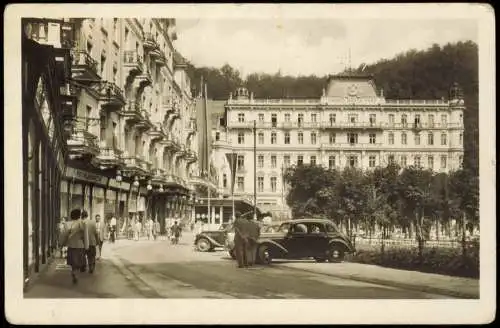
(350, 125)
(129, 118)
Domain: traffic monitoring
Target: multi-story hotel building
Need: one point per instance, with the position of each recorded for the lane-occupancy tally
(350, 125)
(128, 142)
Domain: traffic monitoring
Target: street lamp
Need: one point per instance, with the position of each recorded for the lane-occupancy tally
(136, 181)
(118, 176)
(149, 186)
(161, 189)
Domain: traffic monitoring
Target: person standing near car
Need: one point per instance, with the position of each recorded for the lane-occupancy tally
(253, 237)
(241, 240)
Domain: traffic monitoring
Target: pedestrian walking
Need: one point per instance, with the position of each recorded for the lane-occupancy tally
(101, 233)
(60, 229)
(176, 232)
(156, 229)
(241, 236)
(149, 228)
(75, 237)
(85, 217)
(93, 236)
(137, 229)
(112, 229)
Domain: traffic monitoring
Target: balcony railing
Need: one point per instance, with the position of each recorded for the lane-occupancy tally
(133, 60)
(416, 102)
(110, 93)
(82, 140)
(275, 101)
(82, 61)
(348, 145)
(150, 41)
(353, 125)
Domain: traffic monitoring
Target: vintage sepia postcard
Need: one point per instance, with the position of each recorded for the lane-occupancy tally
(249, 163)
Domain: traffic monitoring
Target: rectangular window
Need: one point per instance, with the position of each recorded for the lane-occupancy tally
(430, 162)
(403, 138)
(274, 120)
(241, 138)
(103, 124)
(260, 136)
(444, 120)
(417, 139)
(461, 161)
(417, 119)
(88, 115)
(300, 160)
(444, 139)
(403, 160)
(300, 138)
(461, 138)
(430, 139)
(431, 120)
(333, 137)
(331, 162)
(273, 138)
(417, 161)
(391, 119)
(353, 161)
(224, 180)
(273, 184)
(312, 160)
(287, 138)
(373, 138)
(261, 117)
(391, 138)
(287, 117)
(371, 161)
(373, 119)
(300, 119)
(217, 136)
(260, 184)
(240, 161)
(241, 183)
(313, 118)
(260, 161)
(241, 117)
(443, 161)
(313, 138)
(391, 159)
(286, 160)
(353, 118)
(352, 138)
(273, 161)
(333, 119)
(404, 120)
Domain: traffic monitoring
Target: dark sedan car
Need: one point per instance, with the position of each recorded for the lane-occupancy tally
(305, 238)
(206, 241)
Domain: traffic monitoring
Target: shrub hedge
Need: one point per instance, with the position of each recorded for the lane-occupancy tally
(439, 260)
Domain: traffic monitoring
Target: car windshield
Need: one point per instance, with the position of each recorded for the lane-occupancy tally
(284, 227)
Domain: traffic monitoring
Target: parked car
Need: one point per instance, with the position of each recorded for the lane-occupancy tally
(268, 228)
(304, 238)
(206, 241)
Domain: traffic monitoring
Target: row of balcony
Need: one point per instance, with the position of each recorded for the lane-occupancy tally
(318, 101)
(341, 125)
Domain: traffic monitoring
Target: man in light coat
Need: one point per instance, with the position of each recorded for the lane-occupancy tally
(93, 236)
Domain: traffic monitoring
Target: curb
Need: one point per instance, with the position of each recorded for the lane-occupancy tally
(135, 280)
(418, 288)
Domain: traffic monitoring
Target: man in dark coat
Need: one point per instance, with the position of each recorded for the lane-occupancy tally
(241, 240)
(253, 237)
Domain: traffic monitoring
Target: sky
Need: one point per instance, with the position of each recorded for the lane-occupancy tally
(310, 46)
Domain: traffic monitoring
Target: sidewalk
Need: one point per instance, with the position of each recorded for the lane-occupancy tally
(414, 280)
(107, 281)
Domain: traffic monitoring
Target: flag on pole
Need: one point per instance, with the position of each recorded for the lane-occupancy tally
(231, 158)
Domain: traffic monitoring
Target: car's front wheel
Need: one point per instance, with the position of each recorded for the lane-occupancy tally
(203, 245)
(336, 254)
(264, 255)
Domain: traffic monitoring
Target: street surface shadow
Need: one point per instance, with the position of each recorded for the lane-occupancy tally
(222, 279)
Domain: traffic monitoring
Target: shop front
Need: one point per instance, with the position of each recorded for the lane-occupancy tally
(44, 152)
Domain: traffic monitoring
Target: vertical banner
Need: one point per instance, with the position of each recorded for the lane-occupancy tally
(232, 157)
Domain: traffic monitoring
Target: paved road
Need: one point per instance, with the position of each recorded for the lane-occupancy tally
(157, 269)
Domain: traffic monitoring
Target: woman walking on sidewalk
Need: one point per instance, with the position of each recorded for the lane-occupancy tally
(75, 237)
